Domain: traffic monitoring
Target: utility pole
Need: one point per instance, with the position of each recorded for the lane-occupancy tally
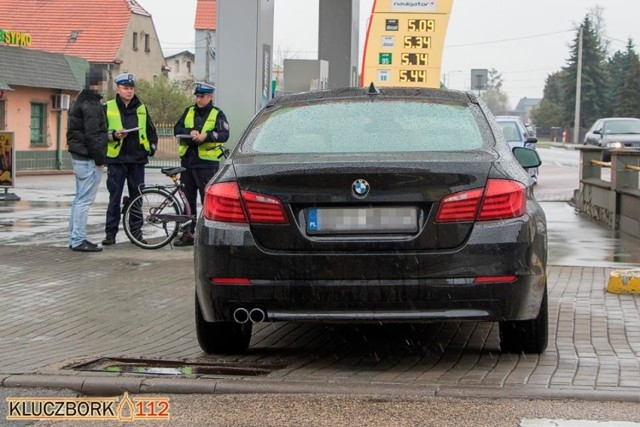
(207, 58)
(576, 123)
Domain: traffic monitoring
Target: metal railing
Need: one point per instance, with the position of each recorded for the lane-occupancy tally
(167, 151)
(613, 199)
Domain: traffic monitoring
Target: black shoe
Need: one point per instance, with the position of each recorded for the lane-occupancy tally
(137, 235)
(185, 240)
(87, 242)
(141, 240)
(109, 240)
(86, 246)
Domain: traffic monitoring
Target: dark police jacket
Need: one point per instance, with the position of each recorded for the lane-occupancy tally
(191, 158)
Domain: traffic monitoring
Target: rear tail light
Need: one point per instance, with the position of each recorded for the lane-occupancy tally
(503, 199)
(500, 199)
(460, 206)
(496, 279)
(264, 209)
(224, 202)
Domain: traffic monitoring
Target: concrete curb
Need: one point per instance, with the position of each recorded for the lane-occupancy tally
(102, 386)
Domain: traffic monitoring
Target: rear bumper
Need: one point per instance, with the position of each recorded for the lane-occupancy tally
(377, 301)
(374, 287)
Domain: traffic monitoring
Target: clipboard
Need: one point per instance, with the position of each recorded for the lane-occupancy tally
(131, 130)
(184, 136)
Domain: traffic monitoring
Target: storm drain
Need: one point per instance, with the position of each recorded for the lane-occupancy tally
(173, 367)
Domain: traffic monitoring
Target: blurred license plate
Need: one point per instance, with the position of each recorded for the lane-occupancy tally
(362, 220)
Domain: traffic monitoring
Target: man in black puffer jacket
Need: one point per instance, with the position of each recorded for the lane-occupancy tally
(87, 141)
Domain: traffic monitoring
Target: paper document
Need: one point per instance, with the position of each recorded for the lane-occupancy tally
(185, 136)
(131, 130)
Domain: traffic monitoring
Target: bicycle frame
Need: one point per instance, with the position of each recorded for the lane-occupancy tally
(186, 218)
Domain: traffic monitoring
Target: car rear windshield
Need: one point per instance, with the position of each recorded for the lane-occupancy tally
(365, 127)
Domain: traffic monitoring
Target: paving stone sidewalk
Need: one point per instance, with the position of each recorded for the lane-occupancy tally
(62, 308)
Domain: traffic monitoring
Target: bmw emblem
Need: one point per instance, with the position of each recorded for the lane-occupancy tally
(360, 189)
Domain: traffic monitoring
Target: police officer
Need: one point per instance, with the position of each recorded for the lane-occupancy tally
(201, 128)
(132, 139)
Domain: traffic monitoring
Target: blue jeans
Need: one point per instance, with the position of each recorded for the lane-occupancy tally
(88, 177)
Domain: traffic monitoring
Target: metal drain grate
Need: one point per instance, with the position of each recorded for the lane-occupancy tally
(173, 367)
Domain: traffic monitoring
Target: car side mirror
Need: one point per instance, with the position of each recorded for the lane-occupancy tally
(532, 140)
(598, 132)
(527, 157)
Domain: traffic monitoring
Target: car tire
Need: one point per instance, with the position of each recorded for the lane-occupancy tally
(526, 336)
(221, 337)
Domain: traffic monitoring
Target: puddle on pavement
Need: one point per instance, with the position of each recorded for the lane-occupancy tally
(174, 368)
(576, 239)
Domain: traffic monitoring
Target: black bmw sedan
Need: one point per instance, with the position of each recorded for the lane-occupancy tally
(372, 205)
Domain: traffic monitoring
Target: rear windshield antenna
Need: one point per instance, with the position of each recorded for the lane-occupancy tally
(373, 90)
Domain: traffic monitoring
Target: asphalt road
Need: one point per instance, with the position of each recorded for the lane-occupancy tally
(365, 410)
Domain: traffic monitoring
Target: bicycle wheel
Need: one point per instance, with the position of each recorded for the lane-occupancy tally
(152, 219)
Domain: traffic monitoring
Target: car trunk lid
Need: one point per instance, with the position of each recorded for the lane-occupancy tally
(397, 210)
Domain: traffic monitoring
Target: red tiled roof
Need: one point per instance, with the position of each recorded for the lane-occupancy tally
(100, 25)
(206, 15)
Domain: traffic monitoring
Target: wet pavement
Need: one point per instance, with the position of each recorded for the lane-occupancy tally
(41, 217)
(62, 309)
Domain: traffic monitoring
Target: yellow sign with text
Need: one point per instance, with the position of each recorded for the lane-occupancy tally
(88, 408)
(15, 38)
(7, 154)
(404, 44)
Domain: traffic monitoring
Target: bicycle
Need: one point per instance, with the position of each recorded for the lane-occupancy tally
(154, 217)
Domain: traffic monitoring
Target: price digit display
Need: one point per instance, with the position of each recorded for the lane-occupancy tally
(421, 25)
(413, 76)
(417, 42)
(414, 59)
(405, 40)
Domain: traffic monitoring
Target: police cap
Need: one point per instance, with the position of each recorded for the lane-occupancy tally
(202, 88)
(125, 79)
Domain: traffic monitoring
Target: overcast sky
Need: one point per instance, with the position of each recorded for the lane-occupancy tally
(525, 41)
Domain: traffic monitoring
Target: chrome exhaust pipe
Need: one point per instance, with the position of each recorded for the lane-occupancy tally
(241, 315)
(257, 315)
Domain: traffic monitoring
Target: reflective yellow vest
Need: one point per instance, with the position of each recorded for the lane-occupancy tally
(114, 123)
(206, 150)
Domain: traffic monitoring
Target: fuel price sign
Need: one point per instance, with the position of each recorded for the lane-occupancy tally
(404, 43)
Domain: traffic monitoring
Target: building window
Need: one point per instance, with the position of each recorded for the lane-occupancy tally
(189, 67)
(177, 62)
(3, 112)
(146, 43)
(135, 41)
(38, 124)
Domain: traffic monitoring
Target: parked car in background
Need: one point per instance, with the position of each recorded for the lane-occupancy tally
(614, 133)
(518, 135)
(372, 206)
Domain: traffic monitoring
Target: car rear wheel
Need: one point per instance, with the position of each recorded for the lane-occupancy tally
(526, 336)
(221, 337)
